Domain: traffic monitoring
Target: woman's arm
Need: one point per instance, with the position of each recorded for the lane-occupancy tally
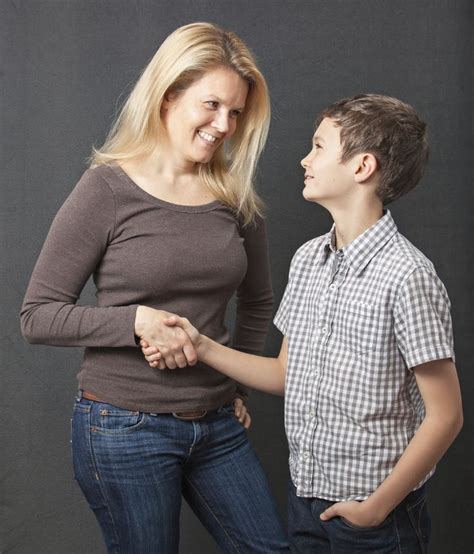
(79, 236)
(254, 296)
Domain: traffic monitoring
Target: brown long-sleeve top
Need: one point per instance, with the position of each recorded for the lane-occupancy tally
(187, 260)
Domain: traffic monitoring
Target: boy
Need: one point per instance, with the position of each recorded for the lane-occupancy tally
(372, 398)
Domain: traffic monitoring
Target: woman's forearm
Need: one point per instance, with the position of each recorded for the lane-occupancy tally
(66, 324)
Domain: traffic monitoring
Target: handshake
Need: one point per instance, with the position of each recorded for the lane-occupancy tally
(168, 340)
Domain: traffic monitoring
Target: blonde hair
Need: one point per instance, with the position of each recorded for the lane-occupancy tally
(182, 59)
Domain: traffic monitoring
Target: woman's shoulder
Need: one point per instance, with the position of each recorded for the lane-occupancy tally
(103, 181)
(92, 194)
(99, 175)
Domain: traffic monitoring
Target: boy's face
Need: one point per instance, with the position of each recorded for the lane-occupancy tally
(327, 180)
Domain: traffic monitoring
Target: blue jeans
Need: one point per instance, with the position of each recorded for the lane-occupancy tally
(134, 468)
(405, 531)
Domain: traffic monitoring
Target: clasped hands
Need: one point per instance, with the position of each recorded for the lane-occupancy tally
(170, 341)
(164, 340)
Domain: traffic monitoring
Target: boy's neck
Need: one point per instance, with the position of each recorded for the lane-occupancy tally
(350, 223)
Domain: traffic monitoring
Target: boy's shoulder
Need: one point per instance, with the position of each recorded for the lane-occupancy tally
(313, 246)
(405, 256)
(310, 250)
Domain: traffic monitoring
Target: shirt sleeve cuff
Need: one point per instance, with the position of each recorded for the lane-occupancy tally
(424, 355)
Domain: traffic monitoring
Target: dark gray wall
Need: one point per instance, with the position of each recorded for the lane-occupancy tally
(65, 64)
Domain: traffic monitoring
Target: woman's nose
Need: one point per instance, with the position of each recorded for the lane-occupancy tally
(221, 122)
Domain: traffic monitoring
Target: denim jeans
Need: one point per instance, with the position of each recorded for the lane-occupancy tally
(135, 467)
(406, 530)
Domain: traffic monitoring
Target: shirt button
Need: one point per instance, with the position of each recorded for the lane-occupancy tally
(312, 413)
(324, 330)
(332, 286)
(306, 455)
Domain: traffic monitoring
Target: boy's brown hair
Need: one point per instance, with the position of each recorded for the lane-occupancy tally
(390, 130)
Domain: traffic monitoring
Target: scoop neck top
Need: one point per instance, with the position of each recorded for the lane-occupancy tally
(123, 175)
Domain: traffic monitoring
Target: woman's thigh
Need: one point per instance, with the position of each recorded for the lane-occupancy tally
(129, 467)
(226, 487)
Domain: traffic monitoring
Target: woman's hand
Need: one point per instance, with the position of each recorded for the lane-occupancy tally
(154, 354)
(241, 413)
(171, 342)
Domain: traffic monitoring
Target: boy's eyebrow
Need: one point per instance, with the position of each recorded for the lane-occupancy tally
(318, 138)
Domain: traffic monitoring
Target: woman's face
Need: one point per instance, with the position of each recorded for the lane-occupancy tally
(198, 120)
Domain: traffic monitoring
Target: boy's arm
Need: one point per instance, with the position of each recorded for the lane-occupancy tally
(439, 387)
(258, 372)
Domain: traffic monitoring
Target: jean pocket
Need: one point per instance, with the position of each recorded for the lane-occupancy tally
(420, 521)
(385, 523)
(228, 409)
(111, 420)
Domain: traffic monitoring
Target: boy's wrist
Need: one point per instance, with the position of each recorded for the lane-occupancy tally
(378, 506)
(202, 348)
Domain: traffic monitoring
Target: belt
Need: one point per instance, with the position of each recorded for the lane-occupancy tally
(186, 416)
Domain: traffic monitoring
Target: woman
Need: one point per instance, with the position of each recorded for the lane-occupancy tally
(166, 220)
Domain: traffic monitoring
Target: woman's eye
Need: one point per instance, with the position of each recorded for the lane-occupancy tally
(235, 113)
(211, 103)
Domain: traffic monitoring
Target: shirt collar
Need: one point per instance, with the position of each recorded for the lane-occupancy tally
(361, 250)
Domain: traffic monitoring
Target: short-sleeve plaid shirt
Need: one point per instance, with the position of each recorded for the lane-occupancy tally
(357, 320)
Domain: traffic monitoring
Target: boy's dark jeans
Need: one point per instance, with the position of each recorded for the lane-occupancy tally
(406, 530)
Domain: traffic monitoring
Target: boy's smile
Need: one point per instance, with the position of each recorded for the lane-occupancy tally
(326, 177)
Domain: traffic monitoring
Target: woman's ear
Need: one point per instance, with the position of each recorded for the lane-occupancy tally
(169, 98)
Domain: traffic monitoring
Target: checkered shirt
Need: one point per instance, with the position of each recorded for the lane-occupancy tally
(357, 320)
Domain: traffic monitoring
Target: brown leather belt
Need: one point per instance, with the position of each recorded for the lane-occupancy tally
(186, 416)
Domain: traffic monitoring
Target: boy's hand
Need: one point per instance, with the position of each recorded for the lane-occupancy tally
(241, 413)
(358, 513)
(152, 355)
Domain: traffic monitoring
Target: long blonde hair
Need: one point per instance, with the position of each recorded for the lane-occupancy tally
(182, 59)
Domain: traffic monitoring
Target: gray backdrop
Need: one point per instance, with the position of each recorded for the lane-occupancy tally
(66, 65)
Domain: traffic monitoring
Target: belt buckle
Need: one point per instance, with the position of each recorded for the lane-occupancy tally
(190, 416)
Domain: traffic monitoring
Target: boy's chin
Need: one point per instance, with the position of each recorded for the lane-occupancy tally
(310, 195)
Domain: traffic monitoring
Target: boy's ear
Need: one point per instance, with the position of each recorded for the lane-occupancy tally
(366, 166)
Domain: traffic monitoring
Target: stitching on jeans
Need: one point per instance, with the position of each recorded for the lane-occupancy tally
(102, 490)
(416, 524)
(212, 512)
(396, 531)
(419, 527)
(421, 499)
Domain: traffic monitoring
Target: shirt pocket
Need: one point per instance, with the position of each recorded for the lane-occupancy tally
(358, 326)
